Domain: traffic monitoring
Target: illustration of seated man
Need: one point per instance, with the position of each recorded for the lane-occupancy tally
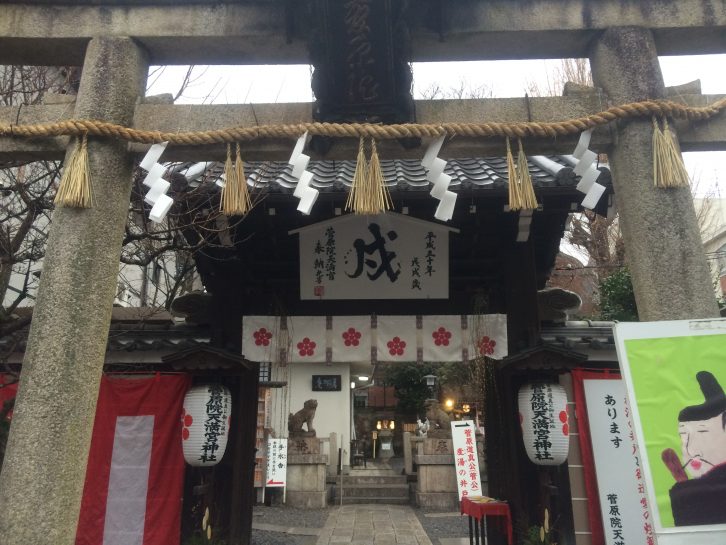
(700, 499)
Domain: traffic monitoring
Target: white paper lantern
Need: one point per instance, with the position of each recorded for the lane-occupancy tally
(545, 429)
(205, 421)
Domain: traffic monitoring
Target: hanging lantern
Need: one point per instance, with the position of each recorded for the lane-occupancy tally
(205, 421)
(543, 416)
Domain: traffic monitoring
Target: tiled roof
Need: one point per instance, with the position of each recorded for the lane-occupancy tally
(407, 174)
(575, 335)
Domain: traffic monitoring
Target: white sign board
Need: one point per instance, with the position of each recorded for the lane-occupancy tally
(276, 463)
(388, 256)
(466, 461)
(619, 478)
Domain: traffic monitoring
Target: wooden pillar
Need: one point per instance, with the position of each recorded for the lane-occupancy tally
(523, 329)
(45, 464)
(243, 472)
(662, 241)
(510, 475)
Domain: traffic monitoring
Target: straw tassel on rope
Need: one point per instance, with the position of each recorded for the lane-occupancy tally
(515, 195)
(235, 199)
(229, 179)
(679, 176)
(380, 196)
(668, 167)
(360, 177)
(75, 188)
(529, 199)
(368, 194)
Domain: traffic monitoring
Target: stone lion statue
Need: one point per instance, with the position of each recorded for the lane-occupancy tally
(554, 304)
(437, 418)
(303, 416)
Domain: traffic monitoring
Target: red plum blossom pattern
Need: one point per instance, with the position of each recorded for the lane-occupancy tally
(396, 346)
(262, 337)
(306, 347)
(351, 337)
(486, 346)
(441, 337)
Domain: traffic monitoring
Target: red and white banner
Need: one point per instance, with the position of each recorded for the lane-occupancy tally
(351, 337)
(397, 338)
(261, 338)
(308, 336)
(135, 473)
(442, 338)
(300, 339)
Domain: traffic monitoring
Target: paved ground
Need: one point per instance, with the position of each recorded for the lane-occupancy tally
(373, 525)
(357, 525)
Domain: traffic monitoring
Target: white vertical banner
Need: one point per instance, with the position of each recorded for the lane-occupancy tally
(616, 464)
(463, 435)
(128, 481)
(276, 463)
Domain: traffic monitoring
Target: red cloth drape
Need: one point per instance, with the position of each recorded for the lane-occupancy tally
(155, 404)
(479, 509)
(7, 391)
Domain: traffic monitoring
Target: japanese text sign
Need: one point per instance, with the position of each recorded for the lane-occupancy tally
(389, 256)
(623, 502)
(466, 461)
(276, 463)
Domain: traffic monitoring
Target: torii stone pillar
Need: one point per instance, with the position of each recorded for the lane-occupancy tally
(45, 464)
(663, 245)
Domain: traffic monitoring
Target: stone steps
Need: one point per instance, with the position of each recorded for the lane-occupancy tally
(365, 488)
(387, 500)
(373, 479)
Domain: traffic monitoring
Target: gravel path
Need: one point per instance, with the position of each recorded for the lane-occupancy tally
(287, 517)
(440, 525)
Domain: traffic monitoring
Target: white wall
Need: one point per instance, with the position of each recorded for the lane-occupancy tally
(333, 412)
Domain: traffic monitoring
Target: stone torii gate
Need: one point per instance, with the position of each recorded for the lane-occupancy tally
(116, 40)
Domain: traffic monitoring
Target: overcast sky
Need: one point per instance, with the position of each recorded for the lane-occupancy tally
(291, 83)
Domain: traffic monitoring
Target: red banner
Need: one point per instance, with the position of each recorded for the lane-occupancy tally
(8, 391)
(135, 473)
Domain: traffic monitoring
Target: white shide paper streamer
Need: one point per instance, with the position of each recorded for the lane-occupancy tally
(303, 191)
(588, 172)
(158, 187)
(435, 174)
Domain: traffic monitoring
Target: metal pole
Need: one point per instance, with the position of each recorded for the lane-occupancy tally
(340, 467)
